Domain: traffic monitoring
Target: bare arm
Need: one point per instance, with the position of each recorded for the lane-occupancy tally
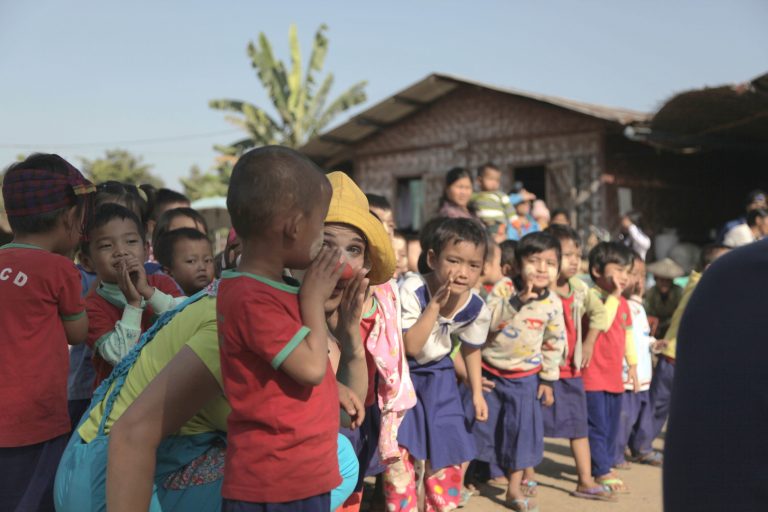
(353, 368)
(418, 334)
(179, 391)
(76, 329)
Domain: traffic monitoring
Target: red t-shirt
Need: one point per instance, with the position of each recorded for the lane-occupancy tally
(37, 290)
(604, 372)
(568, 369)
(103, 315)
(281, 434)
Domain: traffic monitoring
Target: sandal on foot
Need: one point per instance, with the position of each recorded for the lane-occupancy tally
(521, 505)
(597, 492)
(529, 488)
(624, 466)
(466, 494)
(613, 484)
(651, 458)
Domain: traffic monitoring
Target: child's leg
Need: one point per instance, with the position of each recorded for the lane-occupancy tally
(643, 433)
(529, 484)
(661, 391)
(627, 417)
(442, 488)
(580, 449)
(400, 484)
(514, 490)
(597, 416)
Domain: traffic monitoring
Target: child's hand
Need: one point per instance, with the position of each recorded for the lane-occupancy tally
(617, 288)
(442, 295)
(138, 276)
(587, 349)
(351, 405)
(658, 345)
(488, 385)
(481, 407)
(632, 378)
(125, 283)
(321, 276)
(546, 395)
(352, 301)
(527, 293)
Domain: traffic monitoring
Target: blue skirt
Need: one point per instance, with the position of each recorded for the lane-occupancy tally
(435, 429)
(513, 436)
(365, 443)
(567, 418)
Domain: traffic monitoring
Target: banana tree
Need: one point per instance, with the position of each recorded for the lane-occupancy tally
(301, 106)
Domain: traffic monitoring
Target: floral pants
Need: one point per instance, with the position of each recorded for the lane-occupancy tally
(442, 488)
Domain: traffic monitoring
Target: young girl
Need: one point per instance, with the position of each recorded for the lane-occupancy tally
(435, 306)
(522, 359)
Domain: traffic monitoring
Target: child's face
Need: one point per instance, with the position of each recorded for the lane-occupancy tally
(571, 258)
(110, 243)
(490, 180)
(462, 262)
(492, 268)
(560, 218)
(353, 248)
(460, 191)
(192, 265)
(523, 208)
(540, 269)
(401, 255)
(613, 272)
(637, 279)
(387, 218)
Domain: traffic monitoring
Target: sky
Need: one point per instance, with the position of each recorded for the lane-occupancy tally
(80, 77)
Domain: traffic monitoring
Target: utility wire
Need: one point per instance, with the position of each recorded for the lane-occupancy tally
(158, 140)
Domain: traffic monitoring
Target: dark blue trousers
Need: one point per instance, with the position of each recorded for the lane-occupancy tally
(635, 425)
(661, 392)
(603, 412)
(27, 474)
(321, 503)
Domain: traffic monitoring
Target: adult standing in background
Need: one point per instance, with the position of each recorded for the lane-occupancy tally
(632, 236)
(457, 195)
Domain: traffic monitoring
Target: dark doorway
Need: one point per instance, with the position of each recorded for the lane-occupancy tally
(534, 179)
(409, 204)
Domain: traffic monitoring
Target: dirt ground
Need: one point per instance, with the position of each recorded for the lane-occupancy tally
(557, 478)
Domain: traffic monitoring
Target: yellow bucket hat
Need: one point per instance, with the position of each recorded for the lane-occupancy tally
(350, 206)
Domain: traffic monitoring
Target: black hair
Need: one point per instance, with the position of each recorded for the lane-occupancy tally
(508, 248)
(451, 177)
(107, 213)
(562, 232)
(535, 243)
(45, 222)
(166, 243)
(487, 165)
(168, 216)
(268, 181)
(162, 198)
(609, 252)
(459, 230)
(710, 253)
(753, 195)
(753, 215)
(377, 201)
(131, 196)
(426, 236)
(560, 211)
(517, 187)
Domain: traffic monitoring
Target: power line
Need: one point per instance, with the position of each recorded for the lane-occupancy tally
(158, 140)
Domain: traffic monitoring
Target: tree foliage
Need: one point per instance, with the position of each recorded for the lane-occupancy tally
(301, 105)
(201, 184)
(119, 165)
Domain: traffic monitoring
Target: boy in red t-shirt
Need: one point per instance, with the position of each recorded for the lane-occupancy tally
(40, 312)
(609, 266)
(127, 301)
(282, 431)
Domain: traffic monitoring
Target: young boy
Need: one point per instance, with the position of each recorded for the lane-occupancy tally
(522, 359)
(436, 306)
(186, 255)
(282, 431)
(636, 424)
(609, 265)
(41, 310)
(505, 287)
(567, 418)
(127, 300)
(493, 206)
(491, 271)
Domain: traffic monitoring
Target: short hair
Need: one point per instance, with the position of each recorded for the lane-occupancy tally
(268, 181)
(753, 196)
(487, 165)
(605, 253)
(133, 197)
(710, 253)
(426, 242)
(163, 197)
(535, 243)
(107, 213)
(507, 248)
(560, 211)
(45, 222)
(562, 232)
(377, 201)
(165, 220)
(457, 230)
(164, 249)
(753, 215)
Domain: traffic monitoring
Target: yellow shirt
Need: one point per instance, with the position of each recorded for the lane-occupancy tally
(671, 336)
(194, 327)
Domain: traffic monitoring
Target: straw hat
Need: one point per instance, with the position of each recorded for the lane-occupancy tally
(666, 268)
(350, 206)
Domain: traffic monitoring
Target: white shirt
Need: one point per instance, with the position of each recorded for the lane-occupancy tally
(738, 236)
(642, 333)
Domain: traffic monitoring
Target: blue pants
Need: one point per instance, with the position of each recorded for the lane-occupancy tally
(635, 425)
(661, 392)
(321, 503)
(603, 412)
(27, 474)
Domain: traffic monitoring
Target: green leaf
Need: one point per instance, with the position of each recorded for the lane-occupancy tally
(348, 99)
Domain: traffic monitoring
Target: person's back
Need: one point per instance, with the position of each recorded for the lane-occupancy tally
(716, 452)
(41, 310)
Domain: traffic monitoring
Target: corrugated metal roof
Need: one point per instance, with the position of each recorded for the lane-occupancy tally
(428, 90)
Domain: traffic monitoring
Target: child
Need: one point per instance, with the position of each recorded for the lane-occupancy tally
(609, 265)
(522, 359)
(505, 287)
(400, 246)
(177, 218)
(635, 423)
(493, 206)
(282, 431)
(524, 223)
(382, 209)
(567, 418)
(186, 255)
(41, 310)
(435, 306)
(491, 270)
(127, 300)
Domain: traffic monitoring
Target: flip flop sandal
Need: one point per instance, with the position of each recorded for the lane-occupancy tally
(651, 458)
(529, 488)
(521, 505)
(597, 492)
(614, 485)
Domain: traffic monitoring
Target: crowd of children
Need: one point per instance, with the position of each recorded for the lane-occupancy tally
(335, 358)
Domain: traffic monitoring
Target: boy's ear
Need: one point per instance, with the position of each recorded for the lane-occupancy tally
(167, 271)
(86, 262)
(292, 225)
(595, 274)
(431, 259)
(71, 219)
